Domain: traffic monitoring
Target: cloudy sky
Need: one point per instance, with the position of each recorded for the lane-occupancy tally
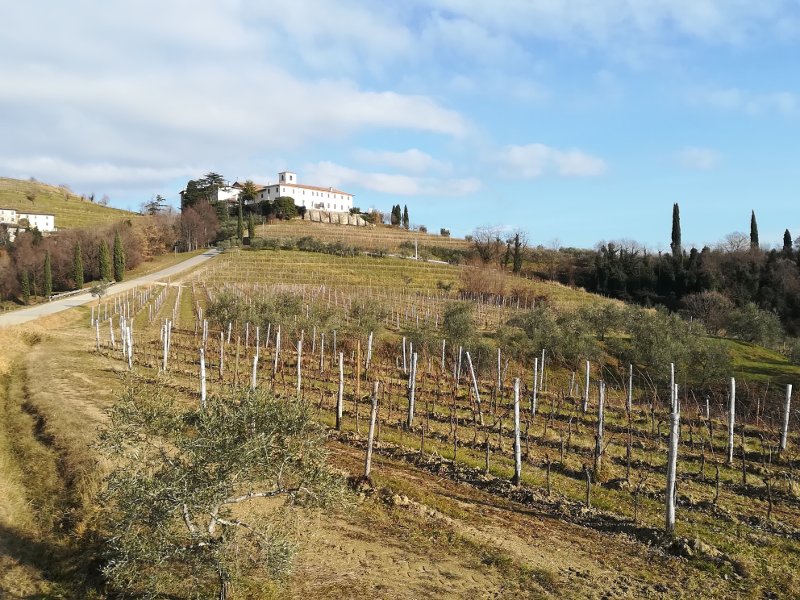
(575, 120)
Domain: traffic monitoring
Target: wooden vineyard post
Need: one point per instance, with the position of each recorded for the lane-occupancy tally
(731, 419)
(340, 395)
(541, 372)
(277, 352)
(786, 413)
(97, 334)
(629, 406)
(369, 355)
(371, 432)
(535, 397)
(202, 378)
(673, 389)
(253, 374)
(299, 366)
(517, 448)
(129, 343)
(672, 467)
(598, 444)
(586, 389)
(358, 373)
(475, 389)
(221, 354)
(412, 390)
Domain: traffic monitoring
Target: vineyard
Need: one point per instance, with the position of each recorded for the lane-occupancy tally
(591, 443)
(373, 239)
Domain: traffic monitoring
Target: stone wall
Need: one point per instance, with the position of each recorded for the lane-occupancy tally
(335, 218)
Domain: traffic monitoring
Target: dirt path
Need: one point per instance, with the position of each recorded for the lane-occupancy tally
(25, 315)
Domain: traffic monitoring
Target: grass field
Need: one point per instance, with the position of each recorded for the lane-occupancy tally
(70, 210)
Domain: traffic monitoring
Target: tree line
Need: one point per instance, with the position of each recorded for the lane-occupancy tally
(34, 265)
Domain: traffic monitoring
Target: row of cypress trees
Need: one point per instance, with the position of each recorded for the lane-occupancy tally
(108, 268)
(105, 263)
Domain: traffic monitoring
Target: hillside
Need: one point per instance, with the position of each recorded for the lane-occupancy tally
(381, 238)
(70, 210)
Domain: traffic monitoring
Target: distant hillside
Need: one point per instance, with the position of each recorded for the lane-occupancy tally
(69, 209)
(381, 238)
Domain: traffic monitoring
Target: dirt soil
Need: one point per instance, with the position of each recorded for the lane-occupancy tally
(474, 544)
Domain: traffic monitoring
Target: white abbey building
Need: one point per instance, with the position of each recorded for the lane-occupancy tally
(312, 197)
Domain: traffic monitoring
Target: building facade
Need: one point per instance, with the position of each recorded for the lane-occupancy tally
(13, 220)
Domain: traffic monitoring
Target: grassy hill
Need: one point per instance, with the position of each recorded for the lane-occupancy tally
(374, 239)
(70, 210)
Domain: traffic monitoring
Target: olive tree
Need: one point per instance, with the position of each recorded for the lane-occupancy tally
(199, 497)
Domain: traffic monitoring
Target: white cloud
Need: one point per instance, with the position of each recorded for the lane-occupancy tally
(161, 85)
(610, 21)
(408, 161)
(55, 170)
(330, 173)
(749, 102)
(699, 159)
(536, 160)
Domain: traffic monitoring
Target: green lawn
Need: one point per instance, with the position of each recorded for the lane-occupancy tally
(757, 363)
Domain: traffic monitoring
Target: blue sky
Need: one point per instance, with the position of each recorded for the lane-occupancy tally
(573, 120)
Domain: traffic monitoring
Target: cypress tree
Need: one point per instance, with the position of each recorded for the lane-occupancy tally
(787, 244)
(517, 263)
(77, 267)
(239, 224)
(753, 230)
(676, 230)
(105, 261)
(48, 275)
(395, 220)
(26, 288)
(405, 216)
(251, 226)
(119, 258)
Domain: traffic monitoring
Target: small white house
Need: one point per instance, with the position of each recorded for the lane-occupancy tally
(42, 221)
(13, 220)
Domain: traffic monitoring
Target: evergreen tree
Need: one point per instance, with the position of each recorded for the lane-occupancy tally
(676, 230)
(517, 263)
(26, 288)
(251, 226)
(405, 217)
(239, 224)
(753, 230)
(104, 259)
(77, 267)
(119, 258)
(48, 275)
(396, 217)
(787, 244)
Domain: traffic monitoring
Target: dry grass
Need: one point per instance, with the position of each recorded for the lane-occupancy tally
(70, 210)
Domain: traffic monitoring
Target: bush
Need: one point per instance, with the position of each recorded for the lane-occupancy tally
(444, 232)
(751, 324)
(179, 527)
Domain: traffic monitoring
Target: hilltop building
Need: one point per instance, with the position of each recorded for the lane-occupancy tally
(311, 197)
(13, 220)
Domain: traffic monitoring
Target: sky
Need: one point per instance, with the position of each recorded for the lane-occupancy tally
(574, 121)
